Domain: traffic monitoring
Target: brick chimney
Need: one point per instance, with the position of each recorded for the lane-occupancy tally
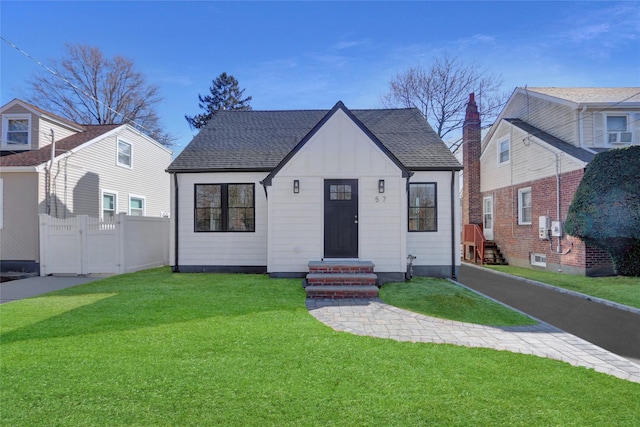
(471, 142)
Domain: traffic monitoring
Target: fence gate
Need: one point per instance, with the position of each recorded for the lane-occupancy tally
(79, 245)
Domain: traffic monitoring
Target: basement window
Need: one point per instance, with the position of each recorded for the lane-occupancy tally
(539, 260)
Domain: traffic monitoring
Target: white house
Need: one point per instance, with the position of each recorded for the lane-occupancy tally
(272, 191)
(51, 165)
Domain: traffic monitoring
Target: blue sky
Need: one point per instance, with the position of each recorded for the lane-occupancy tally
(309, 55)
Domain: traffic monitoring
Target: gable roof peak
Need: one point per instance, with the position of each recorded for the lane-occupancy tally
(40, 112)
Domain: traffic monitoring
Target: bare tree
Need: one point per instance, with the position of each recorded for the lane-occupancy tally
(89, 88)
(442, 92)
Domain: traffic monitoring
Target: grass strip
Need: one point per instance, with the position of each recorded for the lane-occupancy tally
(444, 299)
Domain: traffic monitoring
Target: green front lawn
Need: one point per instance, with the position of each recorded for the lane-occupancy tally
(620, 289)
(161, 349)
(442, 298)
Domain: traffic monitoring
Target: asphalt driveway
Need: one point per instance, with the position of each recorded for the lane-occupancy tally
(32, 286)
(611, 328)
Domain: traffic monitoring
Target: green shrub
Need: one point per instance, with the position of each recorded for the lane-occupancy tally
(605, 210)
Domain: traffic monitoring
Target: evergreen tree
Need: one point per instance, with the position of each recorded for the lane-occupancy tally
(225, 94)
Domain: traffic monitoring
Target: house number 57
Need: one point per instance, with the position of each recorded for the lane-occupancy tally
(381, 199)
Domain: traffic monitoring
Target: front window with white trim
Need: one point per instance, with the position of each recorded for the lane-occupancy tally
(109, 204)
(524, 206)
(504, 152)
(124, 154)
(618, 129)
(136, 205)
(16, 131)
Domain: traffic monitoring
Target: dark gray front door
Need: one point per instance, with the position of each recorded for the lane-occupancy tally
(341, 218)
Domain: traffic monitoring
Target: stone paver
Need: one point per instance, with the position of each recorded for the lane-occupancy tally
(372, 317)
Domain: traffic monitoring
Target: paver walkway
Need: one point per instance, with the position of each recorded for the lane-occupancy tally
(372, 317)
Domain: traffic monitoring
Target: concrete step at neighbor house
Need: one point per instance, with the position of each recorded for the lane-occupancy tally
(341, 279)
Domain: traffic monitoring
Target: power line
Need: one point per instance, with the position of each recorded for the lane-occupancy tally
(75, 87)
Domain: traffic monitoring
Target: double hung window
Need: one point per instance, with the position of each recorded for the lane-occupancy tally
(136, 206)
(108, 206)
(524, 206)
(17, 131)
(124, 154)
(224, 207)
(503, 152)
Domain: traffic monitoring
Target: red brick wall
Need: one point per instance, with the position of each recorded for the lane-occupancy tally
(471, 145)
(518, 242)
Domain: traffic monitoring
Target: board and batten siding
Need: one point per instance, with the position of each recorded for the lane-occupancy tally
(434, 248)
(218, 249)
(339, 150)
(81, 177)
(19, 233)
(528, 161)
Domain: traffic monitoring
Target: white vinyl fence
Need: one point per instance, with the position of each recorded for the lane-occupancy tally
(86, 245)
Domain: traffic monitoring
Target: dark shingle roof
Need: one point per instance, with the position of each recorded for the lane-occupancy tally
(260, 140)
(37, 157)
(572, 150)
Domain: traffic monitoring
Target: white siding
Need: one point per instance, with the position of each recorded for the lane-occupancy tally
(44, 132)
(80, 177)
(531, 159)
(19, 234)
(40, 128)
(338, 150)
(219, 248)
(556, 119)
(435, 248)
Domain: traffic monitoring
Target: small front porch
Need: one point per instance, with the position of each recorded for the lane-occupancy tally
(477, 249)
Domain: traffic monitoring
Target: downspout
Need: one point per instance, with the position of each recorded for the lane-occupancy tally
(559, 247)
(176, 268)
(49, 173)
(581, 130)
(453, 224)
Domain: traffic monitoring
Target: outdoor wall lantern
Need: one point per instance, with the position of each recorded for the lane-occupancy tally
(296, 186)
(381, 186)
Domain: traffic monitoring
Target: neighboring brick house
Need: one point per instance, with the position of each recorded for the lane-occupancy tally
(521, 177)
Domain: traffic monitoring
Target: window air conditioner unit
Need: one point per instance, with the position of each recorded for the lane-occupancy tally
(620, 137)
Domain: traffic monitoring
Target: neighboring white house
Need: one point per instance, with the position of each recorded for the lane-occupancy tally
(271, 191)
(51, 165)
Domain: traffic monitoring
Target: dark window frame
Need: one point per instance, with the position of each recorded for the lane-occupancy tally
(434, 208)
(224, 207)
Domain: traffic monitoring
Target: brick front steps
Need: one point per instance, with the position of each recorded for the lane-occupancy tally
(341, 279)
